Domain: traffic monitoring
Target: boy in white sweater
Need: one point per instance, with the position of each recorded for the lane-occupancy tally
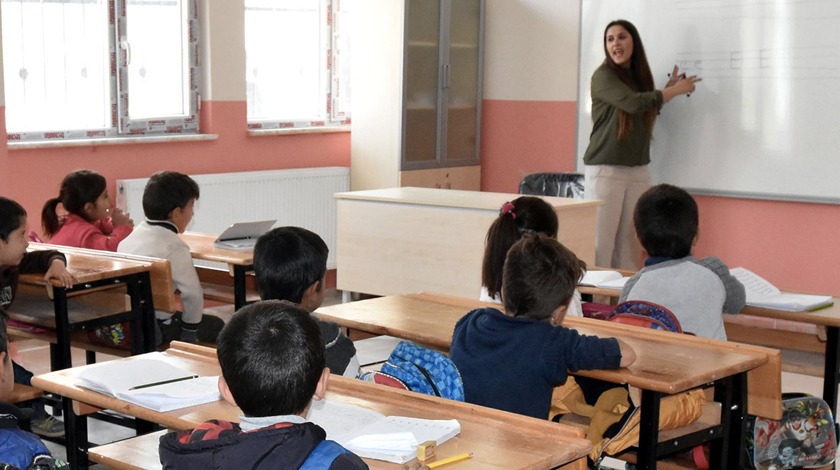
(168, 203)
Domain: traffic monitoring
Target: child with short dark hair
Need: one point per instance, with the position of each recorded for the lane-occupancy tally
(290, 264)
(14, 260)
(273, 366)
(512, 361)
(90, 222)
(697, 291)
(168, 203)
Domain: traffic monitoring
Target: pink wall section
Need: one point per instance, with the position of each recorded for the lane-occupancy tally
(523, 137)
(793, 245)
(33, 176)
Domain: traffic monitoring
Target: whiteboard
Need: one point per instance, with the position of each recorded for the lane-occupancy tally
(765, 120)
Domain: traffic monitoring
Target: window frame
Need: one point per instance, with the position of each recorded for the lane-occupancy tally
(330, 33)
(122, 125)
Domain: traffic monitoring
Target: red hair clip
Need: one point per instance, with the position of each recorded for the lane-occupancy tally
(507, 208)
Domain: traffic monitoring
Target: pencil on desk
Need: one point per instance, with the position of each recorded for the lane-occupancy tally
(453, 459)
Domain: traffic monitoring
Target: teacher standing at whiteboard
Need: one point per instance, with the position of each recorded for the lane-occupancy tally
(624, 108)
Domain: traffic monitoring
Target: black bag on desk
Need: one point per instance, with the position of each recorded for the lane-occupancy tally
(804, 438)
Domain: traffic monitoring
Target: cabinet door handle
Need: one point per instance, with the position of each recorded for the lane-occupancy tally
(445, 72)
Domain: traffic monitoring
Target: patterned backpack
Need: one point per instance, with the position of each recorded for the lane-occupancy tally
(421, 370)
(804, 438)
(645, 314)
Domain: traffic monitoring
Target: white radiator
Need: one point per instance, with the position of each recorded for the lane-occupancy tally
(301, 197)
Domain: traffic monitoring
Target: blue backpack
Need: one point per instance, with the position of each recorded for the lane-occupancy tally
(426, 371)
(322, 455)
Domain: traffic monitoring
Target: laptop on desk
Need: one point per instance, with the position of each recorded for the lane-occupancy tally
(243, 235)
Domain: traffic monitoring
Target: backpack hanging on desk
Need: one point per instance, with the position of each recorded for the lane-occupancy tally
(646, 315)
(804, 438)
(422, 370)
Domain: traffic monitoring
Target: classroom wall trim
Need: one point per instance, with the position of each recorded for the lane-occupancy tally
(302, 197)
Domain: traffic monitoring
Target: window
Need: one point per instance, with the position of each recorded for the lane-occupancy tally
(297, 63)
(99, 68)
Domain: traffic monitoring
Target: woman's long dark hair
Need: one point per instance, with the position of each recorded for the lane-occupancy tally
(638, 76)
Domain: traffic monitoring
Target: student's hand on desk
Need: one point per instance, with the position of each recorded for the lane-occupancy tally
(416, 466)
(120, 217)
(59, 271)
(628, 355)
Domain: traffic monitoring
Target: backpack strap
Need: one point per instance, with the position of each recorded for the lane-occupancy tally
(323, 455)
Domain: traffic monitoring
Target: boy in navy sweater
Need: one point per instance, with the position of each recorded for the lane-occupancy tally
(513, 360)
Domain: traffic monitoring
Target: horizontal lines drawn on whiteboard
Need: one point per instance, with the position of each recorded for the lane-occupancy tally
(769, 31)
(757, 9)
(800, 63)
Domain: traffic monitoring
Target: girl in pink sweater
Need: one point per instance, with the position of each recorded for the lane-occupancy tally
(90, 222)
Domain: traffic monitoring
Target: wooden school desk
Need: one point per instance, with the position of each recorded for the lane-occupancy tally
(240, 261)
(401, 240)
(94, 272)
(828, 317)
(497, 439)
(666, 364)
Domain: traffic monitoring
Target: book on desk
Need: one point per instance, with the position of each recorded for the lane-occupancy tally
(761, 293)
(604, 279)
(151, 383)
(372, 435)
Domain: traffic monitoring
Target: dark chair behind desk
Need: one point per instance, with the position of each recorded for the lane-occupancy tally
(553, 184)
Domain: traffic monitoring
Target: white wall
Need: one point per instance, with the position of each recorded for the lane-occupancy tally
(222, 50)
(531, 50)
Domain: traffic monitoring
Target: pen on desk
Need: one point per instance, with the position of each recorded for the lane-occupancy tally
(163, 382)
(453, 459)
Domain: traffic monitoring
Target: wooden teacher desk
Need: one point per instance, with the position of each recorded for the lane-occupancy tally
(202, 246)
(497, 439)
(400, 240)
(666, 364)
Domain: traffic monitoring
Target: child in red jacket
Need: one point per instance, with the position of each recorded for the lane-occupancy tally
(90, 222)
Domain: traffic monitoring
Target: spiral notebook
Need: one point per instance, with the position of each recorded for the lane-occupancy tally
(150, 382)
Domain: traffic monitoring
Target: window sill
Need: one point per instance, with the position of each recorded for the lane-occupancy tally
(40, 144)
(298, 130)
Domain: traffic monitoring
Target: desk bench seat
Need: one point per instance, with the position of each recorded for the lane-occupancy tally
(774, 332)
(224, 293)
(33, 307)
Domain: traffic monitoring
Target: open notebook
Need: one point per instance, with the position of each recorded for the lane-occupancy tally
(373, 435)
(243, 235)
(604, 279)
(151, 383)
(760, 293)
